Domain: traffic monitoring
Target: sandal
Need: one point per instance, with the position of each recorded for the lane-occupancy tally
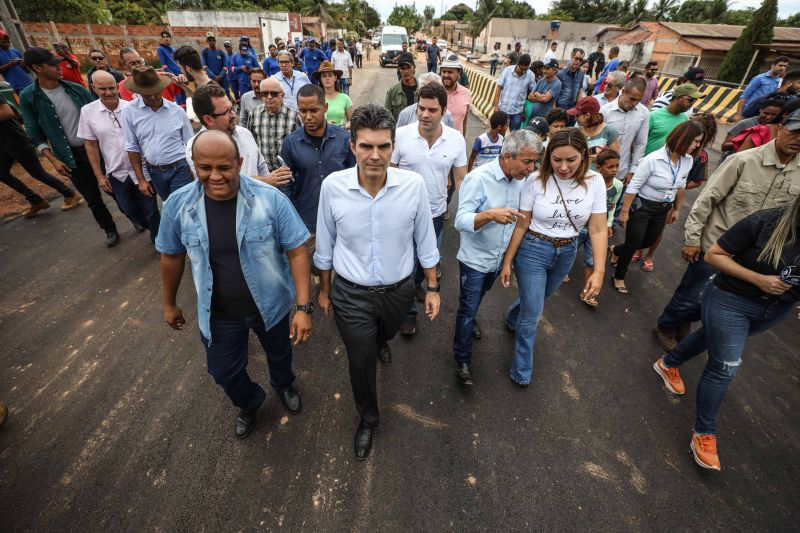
(647, 265)
(635, 257)
(622, 289)
(611, 256)
(591, 302)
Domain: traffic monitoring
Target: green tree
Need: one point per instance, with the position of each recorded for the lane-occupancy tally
(740, 17)
(317, 8)
(91, 11)
(661, 9)
(761, 29)
(793, 21)
(125, 12)
(405, 16)
(428, 13)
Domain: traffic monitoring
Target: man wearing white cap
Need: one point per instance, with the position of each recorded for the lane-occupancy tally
(458, 96)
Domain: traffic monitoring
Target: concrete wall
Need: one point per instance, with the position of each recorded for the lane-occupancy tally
(220, 19)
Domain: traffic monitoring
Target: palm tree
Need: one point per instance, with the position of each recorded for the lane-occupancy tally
(485, 11)
(715, 11)
(661, 9)
(317, 8)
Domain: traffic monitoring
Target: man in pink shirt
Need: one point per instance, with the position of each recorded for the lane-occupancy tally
(458, 96)
(651, 93)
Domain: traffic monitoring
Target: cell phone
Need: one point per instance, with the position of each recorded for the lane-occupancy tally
(283, 164)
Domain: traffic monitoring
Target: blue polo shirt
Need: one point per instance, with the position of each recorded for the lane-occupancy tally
(271, 65)
(242, 78)
(165, 55)
(311, 165)
(215, 62)
(16, 76)
(312, 59)
(760, 86)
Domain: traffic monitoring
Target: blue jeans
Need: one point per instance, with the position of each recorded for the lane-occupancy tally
(540, 268)
(344, 85)
(419, 272)
(515, 121)
(140, 209)
(473, 284)
(586, 241)
(432, 67)
(684, 307)
(728, 319)
(169, 180)
(492, 67)
(226, 358)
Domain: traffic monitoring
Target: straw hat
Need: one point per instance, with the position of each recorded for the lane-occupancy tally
(145, 81)
(326, 66)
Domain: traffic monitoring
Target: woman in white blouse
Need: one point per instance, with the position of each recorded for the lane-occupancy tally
(556, 203)
(654, 196)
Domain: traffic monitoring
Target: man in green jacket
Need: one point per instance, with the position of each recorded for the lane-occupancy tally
(51, 108)
(402, 95)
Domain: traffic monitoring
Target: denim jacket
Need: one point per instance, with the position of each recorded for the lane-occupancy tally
(267, 226)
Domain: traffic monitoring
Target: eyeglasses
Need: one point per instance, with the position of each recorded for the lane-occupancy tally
(228, 111)
(269, 94)
(96, 58)
(114, 120)
(137, 63)
(285, 62)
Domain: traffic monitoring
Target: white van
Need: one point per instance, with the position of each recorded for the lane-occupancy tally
(392, 39)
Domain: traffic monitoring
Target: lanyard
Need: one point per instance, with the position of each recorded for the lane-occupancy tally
(674, 171)
(291, 87)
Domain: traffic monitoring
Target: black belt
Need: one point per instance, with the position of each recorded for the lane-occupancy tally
(653, 203)
(167, 166)
(374, 288)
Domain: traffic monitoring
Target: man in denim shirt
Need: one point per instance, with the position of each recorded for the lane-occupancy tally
(571, 78)
(238, 233)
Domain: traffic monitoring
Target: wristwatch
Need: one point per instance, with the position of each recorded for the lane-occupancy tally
(437, 288)
(306, 308)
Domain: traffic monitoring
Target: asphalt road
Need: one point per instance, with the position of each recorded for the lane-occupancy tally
(115, 425)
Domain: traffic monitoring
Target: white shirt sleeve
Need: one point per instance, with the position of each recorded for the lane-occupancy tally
(461, 158)
(526, 196)
(599, 198)
(326, 231)
(85, 130)
(424, 236)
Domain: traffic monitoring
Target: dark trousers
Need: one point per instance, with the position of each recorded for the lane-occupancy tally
(684, 306)
(140, 209)
(84, 180)
(26, 156)
(645, 225)
(366, 321)
(473, 284)
(168, 180)
(432, 67)
(419, 272)
(359, 59)
(226, 357)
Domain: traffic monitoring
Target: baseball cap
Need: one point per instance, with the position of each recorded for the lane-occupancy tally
(538, 125)
(3, 34)
(792, 121)
(587, 104)
(451, 61)
(695, 75)
(687, 89)
(601, 45)
(37, 56)
(312, 39)
(405, 59)
(226, 43)
(210, 35)
(553, 63)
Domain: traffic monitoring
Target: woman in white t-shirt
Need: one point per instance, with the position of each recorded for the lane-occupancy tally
(556, 203)
(654, 196)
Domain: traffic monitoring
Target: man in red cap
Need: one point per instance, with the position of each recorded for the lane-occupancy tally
(12, 66)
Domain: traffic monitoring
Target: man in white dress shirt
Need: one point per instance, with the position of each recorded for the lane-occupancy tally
(432, 150)
(630, 118)
(370, 217)
(215, 112)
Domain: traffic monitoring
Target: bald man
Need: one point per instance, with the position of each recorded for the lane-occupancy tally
(100, 128)
(250, 270)
(270, 123)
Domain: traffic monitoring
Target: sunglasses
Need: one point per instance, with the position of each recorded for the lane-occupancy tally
(96, 58)
(114, 119)
(269, 94)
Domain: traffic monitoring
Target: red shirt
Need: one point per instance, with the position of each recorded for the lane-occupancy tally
(169, 92)
(70, 72)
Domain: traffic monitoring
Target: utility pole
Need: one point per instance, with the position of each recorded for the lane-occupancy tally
(13, 26)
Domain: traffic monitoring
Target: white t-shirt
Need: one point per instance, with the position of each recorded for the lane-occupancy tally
(549, 56)
(411, 152)
(548, 217)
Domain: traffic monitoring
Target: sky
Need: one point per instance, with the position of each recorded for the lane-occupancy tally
(384, 7)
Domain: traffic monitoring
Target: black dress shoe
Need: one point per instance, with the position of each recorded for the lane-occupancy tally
(291, 400)
(476, 330)
(245, 423)
(464, 374)
(363, 440)
(112, 238)
(385, 354)
(408, 327)
(138, 227)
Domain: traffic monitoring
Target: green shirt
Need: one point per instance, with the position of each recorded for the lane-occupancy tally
(662, 122)
(395, 100)
(337, 109)
(41, 121)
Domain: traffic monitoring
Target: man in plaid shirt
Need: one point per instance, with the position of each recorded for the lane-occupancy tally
(270, 123)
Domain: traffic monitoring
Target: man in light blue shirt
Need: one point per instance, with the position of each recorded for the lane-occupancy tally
(488, 209)
(513, 88)
(291, 80)
(238, 234)
(571, 78)
(763, 84)
(370, 216)
(156, 131)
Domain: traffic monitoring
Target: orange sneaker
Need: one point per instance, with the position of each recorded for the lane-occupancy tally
(704, 449)
(671, 376)
(71, 202)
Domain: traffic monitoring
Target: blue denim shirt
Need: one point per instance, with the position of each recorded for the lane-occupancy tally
(760, 86)
(310, 166)
(486, 187)
(571, 84)
(266, 228)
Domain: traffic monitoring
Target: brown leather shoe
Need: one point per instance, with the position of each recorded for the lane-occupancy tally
(71, 202)
(35, 208)
(3, 414)
(665, 339)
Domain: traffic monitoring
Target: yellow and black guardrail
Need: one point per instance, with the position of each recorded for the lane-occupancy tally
(719, 101)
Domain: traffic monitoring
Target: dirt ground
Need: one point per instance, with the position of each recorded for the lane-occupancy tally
(12, 203)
